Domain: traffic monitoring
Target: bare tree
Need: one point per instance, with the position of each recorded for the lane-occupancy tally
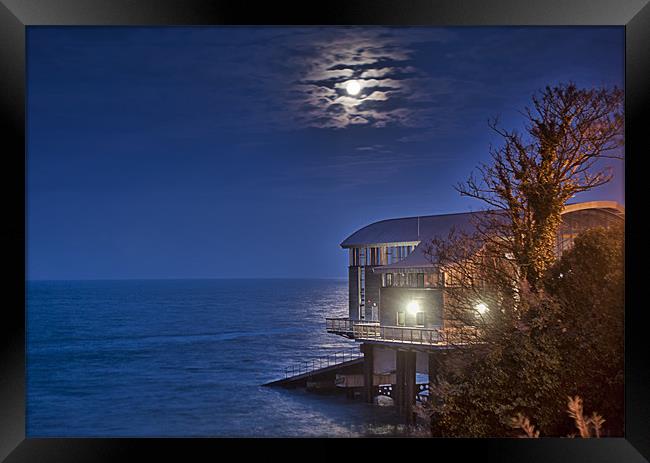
(534, 173)
(493, 280)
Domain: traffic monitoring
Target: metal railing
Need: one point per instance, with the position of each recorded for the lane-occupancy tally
(346, 325)
(437, 336)
(335, 358)
(402, 334)
(338, 325)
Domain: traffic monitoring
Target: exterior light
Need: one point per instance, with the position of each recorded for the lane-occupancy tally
(413, 307)
(481, 308)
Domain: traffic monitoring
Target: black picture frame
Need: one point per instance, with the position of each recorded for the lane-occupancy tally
(16, 15)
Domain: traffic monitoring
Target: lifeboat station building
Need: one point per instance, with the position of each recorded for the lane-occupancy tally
(396, 303)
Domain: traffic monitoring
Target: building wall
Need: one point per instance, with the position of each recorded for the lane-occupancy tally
(373, 285)
(384, 360)
(353, 285)
(394, 300)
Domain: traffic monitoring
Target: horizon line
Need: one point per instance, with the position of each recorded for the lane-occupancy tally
(184, 278)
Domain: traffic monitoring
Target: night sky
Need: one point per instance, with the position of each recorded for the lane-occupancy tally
(237, 152)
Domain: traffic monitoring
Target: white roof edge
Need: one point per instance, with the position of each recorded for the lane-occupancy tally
(568, 208)
(593, 205)
(373, 245)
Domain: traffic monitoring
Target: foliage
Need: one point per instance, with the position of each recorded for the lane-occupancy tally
(584, 425)
(589, 282)
(568, 340)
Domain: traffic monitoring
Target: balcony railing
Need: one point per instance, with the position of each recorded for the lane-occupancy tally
(373, 331)
(338, 325)
(324, 361)
(401, 334)
(346, 326)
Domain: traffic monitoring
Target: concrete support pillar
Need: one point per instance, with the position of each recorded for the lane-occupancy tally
(398, 393)
(405, 388)
(368, 373)
(409, 387)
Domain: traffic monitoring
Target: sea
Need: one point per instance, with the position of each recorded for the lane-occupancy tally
(186, 358)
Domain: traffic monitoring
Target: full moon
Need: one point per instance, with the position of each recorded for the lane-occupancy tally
(353, 87)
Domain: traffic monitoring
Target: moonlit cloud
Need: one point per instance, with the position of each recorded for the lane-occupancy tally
(295, 78)
(382, 61)
(376, 72)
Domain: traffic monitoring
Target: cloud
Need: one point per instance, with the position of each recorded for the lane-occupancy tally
(380, 60)
(269, 79)
(375, 148)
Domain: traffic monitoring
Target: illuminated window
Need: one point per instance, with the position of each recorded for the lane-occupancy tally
(401, 318)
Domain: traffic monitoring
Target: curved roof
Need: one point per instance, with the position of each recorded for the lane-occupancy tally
(417, 230)
(412, 230)
(609, 206)
(409, 230)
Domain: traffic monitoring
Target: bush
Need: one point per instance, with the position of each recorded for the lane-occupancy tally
(569, 341)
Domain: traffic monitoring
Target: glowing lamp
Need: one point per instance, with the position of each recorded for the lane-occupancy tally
(413, 307)
(481, 308)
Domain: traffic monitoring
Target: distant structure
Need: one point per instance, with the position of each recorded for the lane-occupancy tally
(396, 303)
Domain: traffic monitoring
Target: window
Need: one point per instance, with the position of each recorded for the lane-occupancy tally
(431, 279)
(415, 280)
(354, 257)
(452, 277)
(400, 319)
(384, 255)
(388, 279)
(375, 256)
(412, 278)
(419, 319)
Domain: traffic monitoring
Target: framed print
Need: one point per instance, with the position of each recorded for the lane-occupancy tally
(351, 220)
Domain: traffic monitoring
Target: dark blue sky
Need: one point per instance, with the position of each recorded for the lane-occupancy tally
(235, 152)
